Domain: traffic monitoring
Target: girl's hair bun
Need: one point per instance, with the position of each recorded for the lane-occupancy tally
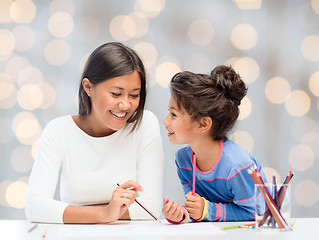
(229, 83)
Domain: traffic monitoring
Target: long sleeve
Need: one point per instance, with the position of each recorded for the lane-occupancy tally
(40, 205)
(149, 171)
(228, 189)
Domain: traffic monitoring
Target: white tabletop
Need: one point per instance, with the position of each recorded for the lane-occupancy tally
(304, 229)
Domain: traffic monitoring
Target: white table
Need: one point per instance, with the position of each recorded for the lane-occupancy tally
(304, 229)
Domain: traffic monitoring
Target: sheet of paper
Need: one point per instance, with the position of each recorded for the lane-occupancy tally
(151, 228)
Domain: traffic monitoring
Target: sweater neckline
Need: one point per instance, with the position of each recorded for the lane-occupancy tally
(221, 144)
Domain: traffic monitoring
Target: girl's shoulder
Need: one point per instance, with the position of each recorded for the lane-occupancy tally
(183, 155)
(236, 155)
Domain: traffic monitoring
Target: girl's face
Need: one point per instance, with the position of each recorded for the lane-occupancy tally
(182, 129)
(114, 101)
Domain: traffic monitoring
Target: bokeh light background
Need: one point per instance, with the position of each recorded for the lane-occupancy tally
(273, 44)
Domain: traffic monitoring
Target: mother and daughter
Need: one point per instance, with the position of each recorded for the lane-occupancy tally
(113, 139)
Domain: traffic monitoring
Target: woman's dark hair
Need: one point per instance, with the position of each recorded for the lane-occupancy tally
(108, 61)
(217, 96)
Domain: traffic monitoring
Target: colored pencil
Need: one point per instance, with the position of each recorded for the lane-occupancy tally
(33, 227)
(144, 208)
(267, 196)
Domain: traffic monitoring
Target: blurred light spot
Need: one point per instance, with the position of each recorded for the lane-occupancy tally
(6, 131)
(201, 32)
(30, 75)
(165, 72)
(3, 188)
(244, 108)
(15, 64)
(26, 127)
(62, 6)
(306, 193)
(243, 139)
(277, 90)
(315, 5)
(314, 84)
(122, 28)
(147, 52)
(25, 38)
(301, 157)
(5, 6)
(311, 139)
(89, 28)
(248, 4)
(8, 91)
(247, 68)
(23, 11)
(30, 96)
(270, 172)
(57, 52)
(7, 42)
(310, 48)
(232, 61)
(244, 37)
(6, 86)
(48, 97)
(16, 193)
(197, 62)
(34, 148)
(298, 103)
(141, 23)
(60, 24)
(149, 8)
(302, 125)
(21, 159)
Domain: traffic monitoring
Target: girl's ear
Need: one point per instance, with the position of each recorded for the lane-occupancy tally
(205, 124)
(87, 86)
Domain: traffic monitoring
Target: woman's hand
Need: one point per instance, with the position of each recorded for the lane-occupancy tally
(123, 196)
(194, 205)
(172, 210)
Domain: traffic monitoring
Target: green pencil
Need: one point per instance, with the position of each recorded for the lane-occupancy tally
(231, 227)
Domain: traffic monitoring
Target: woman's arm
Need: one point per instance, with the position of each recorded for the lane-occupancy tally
(150, 169)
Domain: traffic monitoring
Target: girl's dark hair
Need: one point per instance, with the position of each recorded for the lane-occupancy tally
(217, 96)
(108, 61)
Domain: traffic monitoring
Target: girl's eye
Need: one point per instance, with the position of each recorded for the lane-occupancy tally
(173, 114)
(115, 94)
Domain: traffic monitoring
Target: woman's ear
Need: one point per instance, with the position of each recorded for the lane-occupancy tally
(205, 124)
(87, 86)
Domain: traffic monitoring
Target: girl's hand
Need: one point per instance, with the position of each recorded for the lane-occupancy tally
(194, 205)
(123, 196)
(172, 210)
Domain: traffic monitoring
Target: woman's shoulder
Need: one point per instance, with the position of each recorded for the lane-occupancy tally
(60, 123)
(149, 120)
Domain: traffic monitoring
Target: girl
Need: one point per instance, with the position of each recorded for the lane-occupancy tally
(212, 169)
(112, 140)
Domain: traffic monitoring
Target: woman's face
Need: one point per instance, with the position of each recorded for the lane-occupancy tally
(113, 102)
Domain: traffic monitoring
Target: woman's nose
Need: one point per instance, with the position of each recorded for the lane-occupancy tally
(124, 104)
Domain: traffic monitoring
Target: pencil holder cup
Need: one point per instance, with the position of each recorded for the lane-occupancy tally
(272, 207)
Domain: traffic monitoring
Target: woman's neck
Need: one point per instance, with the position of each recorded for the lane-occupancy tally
(207, 153)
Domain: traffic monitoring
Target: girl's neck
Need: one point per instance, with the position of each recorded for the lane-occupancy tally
(207, 153)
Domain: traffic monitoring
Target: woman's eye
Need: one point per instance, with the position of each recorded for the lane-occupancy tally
(116, 94)
(135, 95)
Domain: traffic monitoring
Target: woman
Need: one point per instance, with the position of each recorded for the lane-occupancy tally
(112, 140)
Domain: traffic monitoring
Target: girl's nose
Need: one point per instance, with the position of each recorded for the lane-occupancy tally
(165, 121)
